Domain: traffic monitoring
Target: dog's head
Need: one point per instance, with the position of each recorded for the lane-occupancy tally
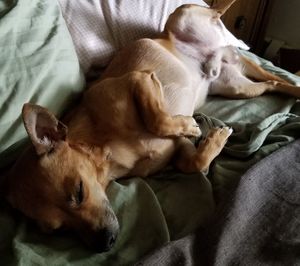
(59, 184)
(194, 23)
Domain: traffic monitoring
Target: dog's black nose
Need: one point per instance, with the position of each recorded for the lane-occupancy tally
(104, 239)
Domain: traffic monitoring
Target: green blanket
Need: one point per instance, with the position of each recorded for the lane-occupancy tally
(38, 64)
(151, 211)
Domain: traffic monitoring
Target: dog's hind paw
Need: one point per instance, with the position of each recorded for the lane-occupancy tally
(215, 141)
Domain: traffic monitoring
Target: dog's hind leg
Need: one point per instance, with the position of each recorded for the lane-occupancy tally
(233, 84)
(256, 72)
(190, 159)
(149, 99)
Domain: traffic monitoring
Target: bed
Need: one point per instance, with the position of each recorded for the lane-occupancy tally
(45, 58)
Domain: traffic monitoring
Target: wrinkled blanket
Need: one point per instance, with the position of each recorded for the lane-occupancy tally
(258, 225)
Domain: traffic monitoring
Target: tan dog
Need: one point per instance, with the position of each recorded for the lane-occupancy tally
(133, 121)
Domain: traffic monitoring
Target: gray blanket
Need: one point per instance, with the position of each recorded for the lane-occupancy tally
(258, 225)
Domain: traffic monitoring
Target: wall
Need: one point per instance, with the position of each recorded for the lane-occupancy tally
(284, 24)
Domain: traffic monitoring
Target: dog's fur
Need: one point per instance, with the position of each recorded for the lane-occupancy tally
(133, 121)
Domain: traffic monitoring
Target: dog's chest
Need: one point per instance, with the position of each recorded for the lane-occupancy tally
(141, 156)
(157, 154)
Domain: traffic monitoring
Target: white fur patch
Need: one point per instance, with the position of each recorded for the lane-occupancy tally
(45, 141)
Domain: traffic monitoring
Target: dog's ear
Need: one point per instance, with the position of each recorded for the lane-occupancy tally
(222, 6)
(43, 128)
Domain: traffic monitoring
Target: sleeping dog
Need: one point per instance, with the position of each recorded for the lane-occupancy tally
(133, 121)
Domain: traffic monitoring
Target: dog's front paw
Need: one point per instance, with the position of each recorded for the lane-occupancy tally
(190, 127)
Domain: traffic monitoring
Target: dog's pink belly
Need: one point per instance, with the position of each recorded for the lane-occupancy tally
(184, 100)
(179, 101)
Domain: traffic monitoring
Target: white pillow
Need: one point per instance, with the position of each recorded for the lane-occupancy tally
(100, 27)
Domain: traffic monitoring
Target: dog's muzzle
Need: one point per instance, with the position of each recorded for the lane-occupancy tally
(102, 239)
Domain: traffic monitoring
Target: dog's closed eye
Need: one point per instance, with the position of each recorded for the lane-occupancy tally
(77, 196)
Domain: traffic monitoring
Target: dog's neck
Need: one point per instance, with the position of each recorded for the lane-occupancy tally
(81, 128)
(83, 133)
(95, 142)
